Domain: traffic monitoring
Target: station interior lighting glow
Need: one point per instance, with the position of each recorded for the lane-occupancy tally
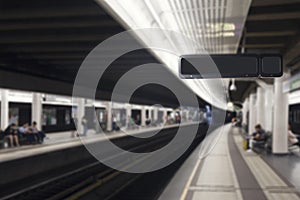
(215, 26)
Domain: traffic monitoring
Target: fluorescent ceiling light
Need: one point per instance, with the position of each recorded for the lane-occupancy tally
(232, 86)
(209, 23)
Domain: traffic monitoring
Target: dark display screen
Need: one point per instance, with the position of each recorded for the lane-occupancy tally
(230, 66)
(216, 66)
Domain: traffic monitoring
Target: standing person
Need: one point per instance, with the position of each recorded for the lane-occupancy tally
(12, 132)
(84, 124)
(40, 135)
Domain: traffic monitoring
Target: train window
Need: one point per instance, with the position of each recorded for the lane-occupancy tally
(68, 117)
(298, 116)
(13, 115)
(49, 116)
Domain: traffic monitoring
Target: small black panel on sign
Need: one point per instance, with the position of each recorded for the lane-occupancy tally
(271, 66)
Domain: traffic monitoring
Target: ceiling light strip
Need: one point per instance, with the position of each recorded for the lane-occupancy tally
(202, 24)
(209, 21)
(199, 39)
(194, 25)
(188, 22)
(185, 29)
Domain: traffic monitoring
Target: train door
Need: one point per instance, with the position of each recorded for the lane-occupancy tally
(102, 118)
(136, 116)
(19, 113)
(90, 116)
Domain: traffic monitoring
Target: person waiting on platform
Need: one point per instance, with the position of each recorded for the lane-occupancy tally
(293, 139)
(259, 133)
(25, 132)
(40, 135)
(12, 133)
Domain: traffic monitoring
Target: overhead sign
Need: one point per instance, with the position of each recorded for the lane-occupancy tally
(230, 66)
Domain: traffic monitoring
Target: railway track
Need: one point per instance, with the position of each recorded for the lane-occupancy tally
(80, 182)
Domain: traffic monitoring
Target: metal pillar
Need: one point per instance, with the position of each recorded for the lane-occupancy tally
(268, 109)
(143, 116)
(109, 116)
(155, 114)
(4, 109)
(80, 114)
(280, 135)
(128, 113)
(36, 109)
(260, 106)
(165, 116)
(252, 114)
(150, 113)
(245, 111)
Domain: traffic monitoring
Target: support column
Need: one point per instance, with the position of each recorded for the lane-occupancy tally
(181, 114)
(268, 109)
(165, 116)
(188, 115)
(109, 116)
(174, 114)
(36, 109)
(155, 114)
(143, 116)
(4, 109)
(280, 134)
(245, 111)
(260, 107)
(80, 114)
(150, 113)
(128, 113)
(252, 114)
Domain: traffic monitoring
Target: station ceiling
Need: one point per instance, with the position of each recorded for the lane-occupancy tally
(43, 43)
(272, 26)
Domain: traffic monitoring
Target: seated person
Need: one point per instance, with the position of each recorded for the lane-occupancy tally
(26, 132)
(12, 133)
(40, 135)
(259, 133)
(293, 139)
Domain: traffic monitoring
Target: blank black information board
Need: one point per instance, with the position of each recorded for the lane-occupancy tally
(229, 66)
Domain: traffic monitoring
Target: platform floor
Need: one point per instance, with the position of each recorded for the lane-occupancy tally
(61, 140)
(288, 167)
(230, 173)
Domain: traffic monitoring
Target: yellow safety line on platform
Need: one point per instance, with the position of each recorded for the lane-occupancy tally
(189, 182)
